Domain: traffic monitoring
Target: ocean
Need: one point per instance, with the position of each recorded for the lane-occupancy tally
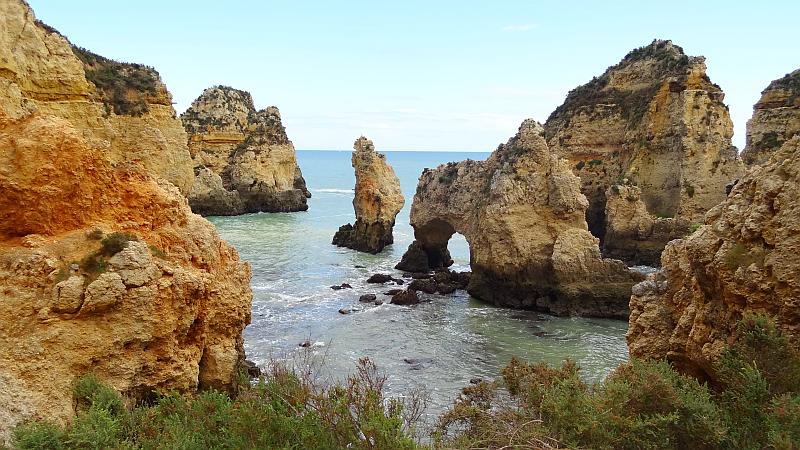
(439, 346)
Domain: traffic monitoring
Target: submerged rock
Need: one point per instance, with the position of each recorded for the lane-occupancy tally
(377, 201)
(656, 120)
(162, 314)
(367, 298)
(523, 216)
(746, 258)
(244, 161)
(406, 297)
(776, 119)
(380, 278)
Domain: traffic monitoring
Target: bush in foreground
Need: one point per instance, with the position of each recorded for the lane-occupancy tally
(642, 405)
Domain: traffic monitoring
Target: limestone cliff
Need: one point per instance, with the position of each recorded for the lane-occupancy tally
(122, 109)
(656, 120)
(244, 161)
(523, 216)
(103, 267)
(776, 118)
(377, 201)
(746, 258)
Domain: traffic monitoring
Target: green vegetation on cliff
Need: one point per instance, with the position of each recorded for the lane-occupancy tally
(123, 87)
(754, 404)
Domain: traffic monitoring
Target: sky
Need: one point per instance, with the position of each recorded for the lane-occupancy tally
(424, 75)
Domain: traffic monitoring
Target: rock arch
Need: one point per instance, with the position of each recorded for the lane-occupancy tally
(523, 215)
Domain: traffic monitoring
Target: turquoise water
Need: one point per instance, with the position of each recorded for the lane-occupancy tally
(448, 341)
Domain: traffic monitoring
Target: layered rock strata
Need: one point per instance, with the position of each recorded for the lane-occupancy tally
(657, 121)
(122, 109)
(523, 216)
(746, 258)
(776, 119)
(243, 160)
(103, 267)
(377, 201)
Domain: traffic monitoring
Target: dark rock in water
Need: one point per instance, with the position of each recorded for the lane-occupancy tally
(421, 275)
(380, 278)
(364, 237)
(305, 344)
(419, 259)
(407, 297)
(378, 302)
(445, 289)
(398, 281)
(367, 298)
(426, 286)
(476, 380)
(393, 292)
(251, 368)
(539, 333)
(348, 310)
(341, 286)
(360, 267)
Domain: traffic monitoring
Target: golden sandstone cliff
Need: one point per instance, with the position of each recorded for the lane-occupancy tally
(377, 201)
(746, 258)
(776, 118)
(243, 159)
(103, 267)
(122, 109)
(654, 121)
(523, 216)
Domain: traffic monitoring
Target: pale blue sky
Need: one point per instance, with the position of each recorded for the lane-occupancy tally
(424, 75)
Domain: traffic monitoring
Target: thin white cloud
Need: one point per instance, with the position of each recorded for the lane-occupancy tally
(522, 27)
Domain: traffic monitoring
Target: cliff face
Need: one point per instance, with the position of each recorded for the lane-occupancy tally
(377, 201)
(656, 121)
(244, 162)
(523, 216)
(103, 267)
(746, 258)
(776, 118)
(122, 109)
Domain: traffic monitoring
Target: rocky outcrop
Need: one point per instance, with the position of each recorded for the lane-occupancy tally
(632, 233)
(244, 161)
(746, 258)
(657, 121)
(124, 110)
(103, 267)
(523, 216)
(776, 118)
(377, 201)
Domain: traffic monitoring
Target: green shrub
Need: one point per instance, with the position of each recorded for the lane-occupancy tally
(115, 243)
(38, 436)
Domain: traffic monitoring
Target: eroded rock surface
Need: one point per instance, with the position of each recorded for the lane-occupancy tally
(122, 109)
(776, 118)
(656, 121)
(244, 161)
(377, 201)
(163, 312)
(523, 215)
(746, 258)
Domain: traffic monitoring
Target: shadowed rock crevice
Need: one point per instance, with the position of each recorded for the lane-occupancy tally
(377, 201)
(523, 215)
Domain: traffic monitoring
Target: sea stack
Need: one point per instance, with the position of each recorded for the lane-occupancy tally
(776, 118)
(746, 258)
(523, 215)
(243, 160)
(103, 267)
(377, 201)
(656, 122)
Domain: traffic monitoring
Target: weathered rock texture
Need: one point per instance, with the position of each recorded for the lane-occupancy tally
(164, 311)
(122, 109)
(632, 233)
(377, 201)
(746, 258)
(523, 216)
(657, 121)
(776, 118)
(244, 161)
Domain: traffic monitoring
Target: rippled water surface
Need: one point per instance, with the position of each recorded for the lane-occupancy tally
(439, 345)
